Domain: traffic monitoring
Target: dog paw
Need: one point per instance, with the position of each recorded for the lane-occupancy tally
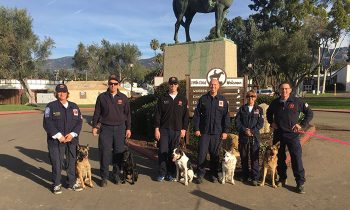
(262, 184)
(233, 183)
(91, 185)
(186, 183)
(274, 186)
(223, 182)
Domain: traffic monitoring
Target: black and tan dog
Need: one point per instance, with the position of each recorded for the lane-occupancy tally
(128, 166)
(270, 164)
(83, 167)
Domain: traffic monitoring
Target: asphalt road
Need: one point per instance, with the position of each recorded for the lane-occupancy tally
(25, 176)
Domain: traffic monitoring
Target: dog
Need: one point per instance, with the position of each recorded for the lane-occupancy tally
(83, 167)
(128, 167)
(228, 167)
(183, 166)
(270, 164)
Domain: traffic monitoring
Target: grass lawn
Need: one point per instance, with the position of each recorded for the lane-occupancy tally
(328, 102)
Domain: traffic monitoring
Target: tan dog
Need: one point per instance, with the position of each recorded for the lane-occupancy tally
(270, 163)
(83, 167)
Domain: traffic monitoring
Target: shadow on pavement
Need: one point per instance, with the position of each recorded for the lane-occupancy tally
(16, 165)
(218, 201)
(38, 155)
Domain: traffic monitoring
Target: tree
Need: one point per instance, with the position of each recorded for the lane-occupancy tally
(21, 51)
(154, 46)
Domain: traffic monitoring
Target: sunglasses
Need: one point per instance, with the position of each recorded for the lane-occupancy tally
(173, 84)
(111, 83)
(251, 96)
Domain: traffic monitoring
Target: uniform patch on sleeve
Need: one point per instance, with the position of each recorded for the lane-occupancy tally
(75, 112)
(180, 103)
(221, 103)
(47, 112)
(306, 105)
(256, 111)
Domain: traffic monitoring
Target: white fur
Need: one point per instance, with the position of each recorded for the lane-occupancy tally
(181, 168)
(228, 167)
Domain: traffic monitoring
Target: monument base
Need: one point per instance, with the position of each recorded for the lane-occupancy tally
(197, 58)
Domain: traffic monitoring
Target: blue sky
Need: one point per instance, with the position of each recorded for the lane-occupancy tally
(69, 22)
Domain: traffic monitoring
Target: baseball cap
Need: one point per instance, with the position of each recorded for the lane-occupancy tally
(113, 77)
(61, 88)
(173, 80)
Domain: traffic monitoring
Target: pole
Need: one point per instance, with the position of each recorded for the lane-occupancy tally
(85, 75)
(318, 71)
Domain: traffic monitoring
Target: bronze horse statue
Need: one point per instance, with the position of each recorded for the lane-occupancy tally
(188, 8)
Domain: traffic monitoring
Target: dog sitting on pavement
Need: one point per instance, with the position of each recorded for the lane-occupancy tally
(128, 167)
(183, 166)
(83, 167)
(228, 167)
(270, 164)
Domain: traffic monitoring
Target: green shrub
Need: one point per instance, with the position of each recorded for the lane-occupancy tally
(164, 87)
(24, 99)
(137, 103)
(142, 121)
(265, 99)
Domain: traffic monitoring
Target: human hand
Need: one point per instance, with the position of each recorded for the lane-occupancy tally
(197, 133)
(94, 131)
(248, 132)
(183, 133)
(128, 134)
(296, 128)
(223, 136)
(68, 137)
(156, 134)
(62, 139)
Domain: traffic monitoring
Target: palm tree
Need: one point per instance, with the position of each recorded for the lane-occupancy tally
(154, 46)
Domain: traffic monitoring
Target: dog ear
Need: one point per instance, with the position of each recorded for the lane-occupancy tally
(278, 144)
(87, 147)
(78, 147)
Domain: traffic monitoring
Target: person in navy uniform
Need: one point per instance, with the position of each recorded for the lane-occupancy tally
(62, 123)
(249, 120)
(171, 123)
(211, 122)
(113, 118)
(283, 116)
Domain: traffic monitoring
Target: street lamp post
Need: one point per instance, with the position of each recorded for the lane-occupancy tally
(131, 79)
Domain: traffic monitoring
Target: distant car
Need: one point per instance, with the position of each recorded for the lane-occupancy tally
(265, 92)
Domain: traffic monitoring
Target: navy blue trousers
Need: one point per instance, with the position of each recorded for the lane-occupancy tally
(292, 141)
(111, 144)
(249, 149)
(169, 140)
(62, 156)
(212, 144)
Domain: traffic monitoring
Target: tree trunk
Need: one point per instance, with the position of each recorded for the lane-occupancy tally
(324, 81)
(30, 94)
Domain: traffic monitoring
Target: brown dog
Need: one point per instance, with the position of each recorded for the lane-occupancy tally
(270, 163)
(83, 167)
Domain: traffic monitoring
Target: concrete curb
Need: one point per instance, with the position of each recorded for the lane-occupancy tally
(331, 110)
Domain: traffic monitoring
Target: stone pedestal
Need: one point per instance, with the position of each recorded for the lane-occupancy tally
(197, 58)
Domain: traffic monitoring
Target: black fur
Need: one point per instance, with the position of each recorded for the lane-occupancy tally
(128, 167)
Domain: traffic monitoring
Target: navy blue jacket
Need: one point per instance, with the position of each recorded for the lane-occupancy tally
(253, 120)
(57, 119)
(211, 115)
(286, 115)
(172, 113)
(112, 110)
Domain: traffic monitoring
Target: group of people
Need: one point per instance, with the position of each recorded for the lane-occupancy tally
(211, 123)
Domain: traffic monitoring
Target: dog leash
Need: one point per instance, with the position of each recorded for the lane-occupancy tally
(326, 138)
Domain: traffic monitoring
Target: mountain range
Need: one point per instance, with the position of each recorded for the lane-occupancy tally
(67, 62)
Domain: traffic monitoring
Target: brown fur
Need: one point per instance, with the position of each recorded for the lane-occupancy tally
(270, 163)
(83, 167)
